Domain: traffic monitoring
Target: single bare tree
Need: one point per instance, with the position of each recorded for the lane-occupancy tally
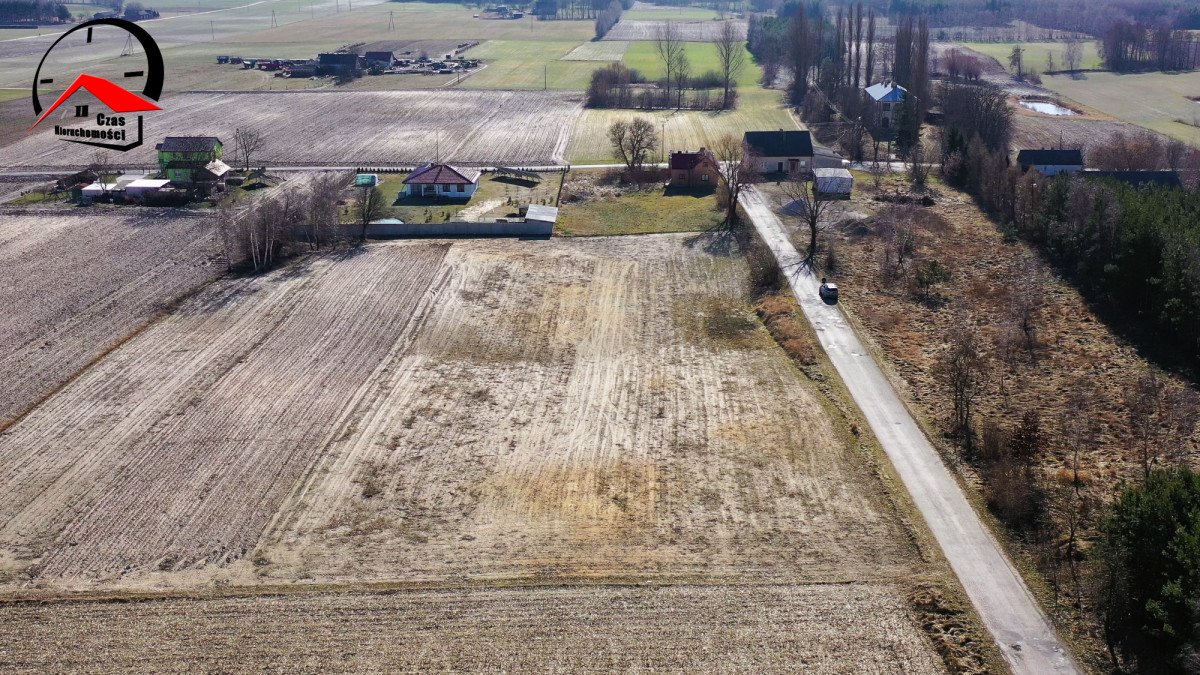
(668, 43)
(246, 142)
(368, 206)
(1143, 405)
(682, 72)
(1073, 54)
(961, 368)
(732, 58)
(1026, 284)
(632, 142)
(738, 168)
(813, 206)
(1080, 432)
(100, 163)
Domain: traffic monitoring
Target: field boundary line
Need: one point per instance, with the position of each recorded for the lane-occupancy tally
(286, 590)
(164, 311)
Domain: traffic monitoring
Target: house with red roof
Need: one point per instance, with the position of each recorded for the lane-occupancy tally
(441, 180)
(694, 169)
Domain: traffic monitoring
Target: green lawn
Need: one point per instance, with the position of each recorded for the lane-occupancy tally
(1035, 54)
(646, 212)
(494, 188)
(758, 109)
(512, 64)
(702, 56)
(1151, 100)
(13, 94)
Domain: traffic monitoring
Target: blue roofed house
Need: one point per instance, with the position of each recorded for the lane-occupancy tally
(888, 97)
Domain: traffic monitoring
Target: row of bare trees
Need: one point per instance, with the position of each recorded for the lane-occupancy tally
(290, 221)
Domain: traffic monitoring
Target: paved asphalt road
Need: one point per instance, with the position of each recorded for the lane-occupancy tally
(1007, 608)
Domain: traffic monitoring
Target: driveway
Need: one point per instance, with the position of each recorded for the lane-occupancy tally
(1010, 612)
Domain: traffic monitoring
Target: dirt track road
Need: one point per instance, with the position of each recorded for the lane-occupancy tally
(1023, 633)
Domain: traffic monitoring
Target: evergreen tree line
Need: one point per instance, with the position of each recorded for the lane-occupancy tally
(18, 11)
(1134, 252)
(573, 9)
(619, 86)
(1130, 45)
(609, 17)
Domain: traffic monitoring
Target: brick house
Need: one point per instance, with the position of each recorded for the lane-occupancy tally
(694, 169)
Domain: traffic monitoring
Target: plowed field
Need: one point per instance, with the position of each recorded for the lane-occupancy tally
(339, 128)
(73, 286)
(750, 629)
(503, 435)
(690, 31)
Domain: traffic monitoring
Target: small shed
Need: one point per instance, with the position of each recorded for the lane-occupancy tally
(833, 183)
(96, 190)
(142, 186)
(540, 219)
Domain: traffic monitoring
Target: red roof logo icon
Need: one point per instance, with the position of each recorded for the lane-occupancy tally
(117, 98)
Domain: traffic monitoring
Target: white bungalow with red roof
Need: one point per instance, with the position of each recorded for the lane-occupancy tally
(441, 180)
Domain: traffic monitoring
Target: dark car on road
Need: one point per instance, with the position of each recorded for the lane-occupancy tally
(828, 292)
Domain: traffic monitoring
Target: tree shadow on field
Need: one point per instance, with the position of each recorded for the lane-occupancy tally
(722, 240)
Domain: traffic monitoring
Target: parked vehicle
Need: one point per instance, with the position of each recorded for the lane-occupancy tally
(828, 291)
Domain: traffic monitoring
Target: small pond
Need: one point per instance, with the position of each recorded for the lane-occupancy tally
(1047, 108)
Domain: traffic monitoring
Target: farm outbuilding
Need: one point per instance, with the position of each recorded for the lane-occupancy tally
(1051, 161)
(833, 183)
(143, 186)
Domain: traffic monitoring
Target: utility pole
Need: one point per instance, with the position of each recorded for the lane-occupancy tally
(213, 28)
(274, 23)
(662, 154)
(391, 21)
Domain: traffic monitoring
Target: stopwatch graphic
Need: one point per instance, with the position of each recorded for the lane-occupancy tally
(139, 86)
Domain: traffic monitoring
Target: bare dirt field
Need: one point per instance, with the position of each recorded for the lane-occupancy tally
(360, 127)
(753, 629)
(415, 415)
(74, 285)
(604, 50)
(482, 409)
(690, 31)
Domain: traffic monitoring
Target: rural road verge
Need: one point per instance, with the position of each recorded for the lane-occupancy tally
(1008, 609)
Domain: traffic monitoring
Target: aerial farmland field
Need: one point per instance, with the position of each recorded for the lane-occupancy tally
(583, 411)
(393, 127)
(1162, 102)
(62, 310)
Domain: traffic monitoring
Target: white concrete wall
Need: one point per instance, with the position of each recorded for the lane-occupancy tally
(529, 228)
